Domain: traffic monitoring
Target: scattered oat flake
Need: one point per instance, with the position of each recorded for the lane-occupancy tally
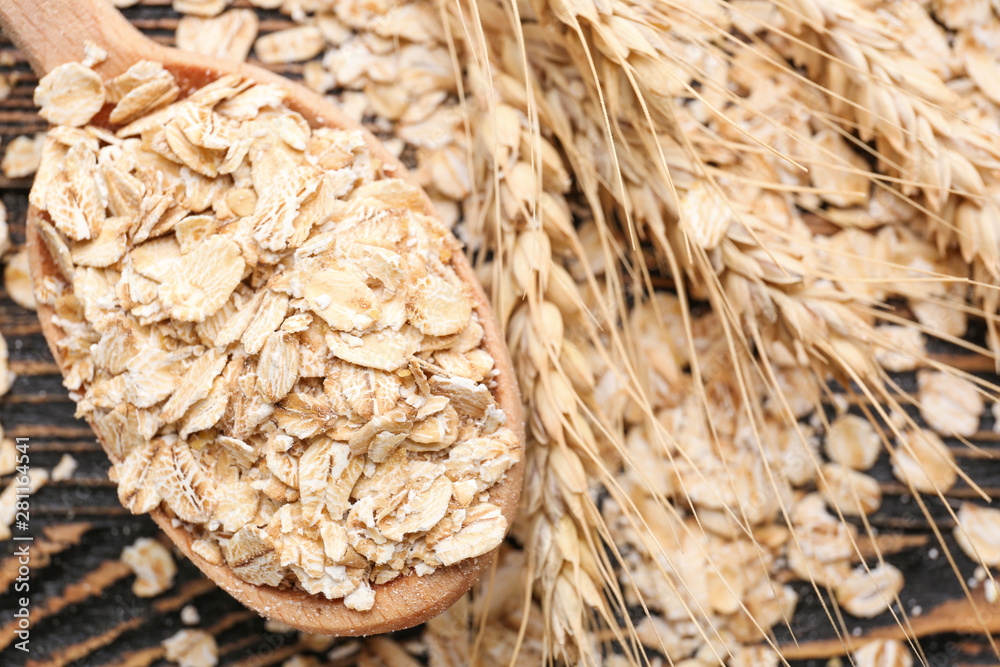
(37, 478)
(280, 627)
(866, 593)
(17, 281)
(940, 319)
(22, 156)
(925, 461)
(93, 54)
(192, 648)
(978, 533)
(291, 45)
(883, 653)
(64, 469)
(302, 661)
(848, 491)
(190, 615)
(853, 442)
(210, 551)
(4, 230)
(8, 456)
(705, 215)
(200, 7)
(950, 405)
(6, 375)
(230, 35)
(153, 566)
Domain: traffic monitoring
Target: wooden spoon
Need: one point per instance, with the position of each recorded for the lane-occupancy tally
(54, 32)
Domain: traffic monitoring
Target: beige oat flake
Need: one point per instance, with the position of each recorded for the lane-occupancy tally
(22, 156)
(291, 45)
(867, 592)
(17, 281)
(978, 533)
(4, 230)
(853, 442)
(925, 461)
(230, 35)
(8, 456)
(192, 648)
(851, 492)
(153, 566)
(70, 95)
(200, 7)
(950, 405)
(189, 615)
(64, 469)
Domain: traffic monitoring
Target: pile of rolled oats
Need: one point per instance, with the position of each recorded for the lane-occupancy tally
(267, 332)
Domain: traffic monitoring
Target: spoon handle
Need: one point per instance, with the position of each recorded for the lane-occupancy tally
(52, 32)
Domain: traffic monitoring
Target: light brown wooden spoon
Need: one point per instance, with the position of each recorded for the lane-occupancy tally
(52, 32)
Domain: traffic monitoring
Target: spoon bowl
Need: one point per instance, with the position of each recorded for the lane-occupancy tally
(56, 32)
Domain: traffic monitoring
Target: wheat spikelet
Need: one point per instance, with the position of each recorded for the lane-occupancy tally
(802, 178)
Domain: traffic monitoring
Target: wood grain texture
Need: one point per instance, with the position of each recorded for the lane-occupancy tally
(86, 528)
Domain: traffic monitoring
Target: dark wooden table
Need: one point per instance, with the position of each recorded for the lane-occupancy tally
(83, 611)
